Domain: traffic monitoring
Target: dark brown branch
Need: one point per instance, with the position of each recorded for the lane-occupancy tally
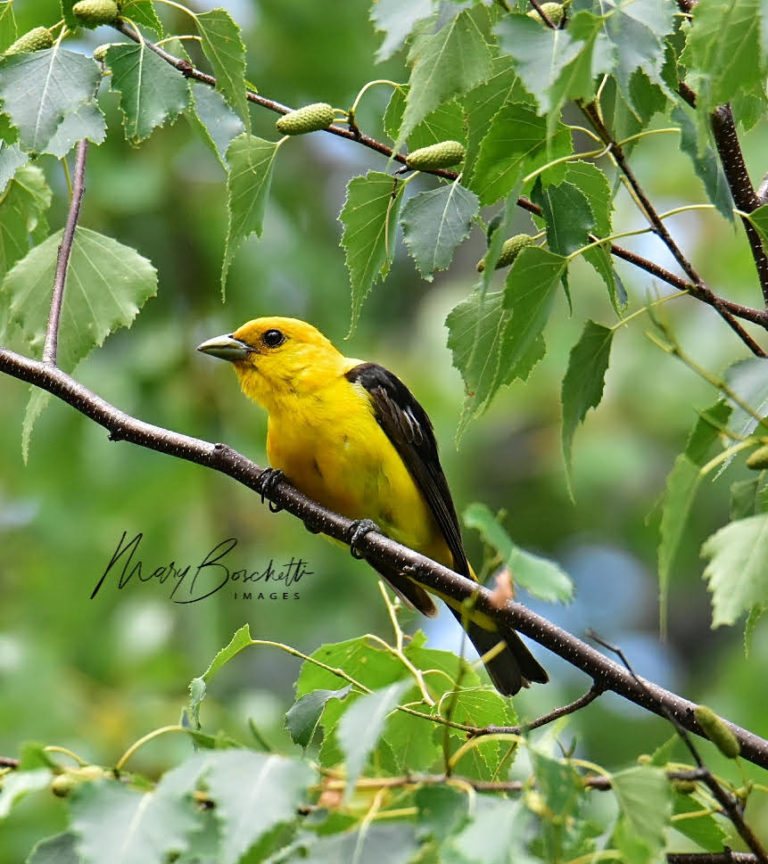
(726, 857)
(51, 347)
(726, 309)
(606, 674)
(543, 15)
(742, 190)
(650, 211)
(594, 691)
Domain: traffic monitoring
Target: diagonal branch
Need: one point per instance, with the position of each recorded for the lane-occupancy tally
(51, 346)
(605, 673)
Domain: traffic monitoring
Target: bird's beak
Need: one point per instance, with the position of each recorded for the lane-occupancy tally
(226, 348)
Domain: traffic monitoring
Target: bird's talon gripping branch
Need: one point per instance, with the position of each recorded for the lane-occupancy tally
(269, 480)
(357, 532)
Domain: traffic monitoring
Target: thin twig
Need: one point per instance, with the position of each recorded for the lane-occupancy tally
(51, 347)
(376, 547)
(726, 857)
(594, 691)
(735, 170)
(731, 805)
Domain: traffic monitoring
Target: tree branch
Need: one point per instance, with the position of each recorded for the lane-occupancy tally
(51, 346)
(606, 674)
(725, 308)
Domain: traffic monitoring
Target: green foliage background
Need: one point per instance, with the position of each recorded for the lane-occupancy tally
(94, 675)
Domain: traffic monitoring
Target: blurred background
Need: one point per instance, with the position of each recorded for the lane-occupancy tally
(94, 675)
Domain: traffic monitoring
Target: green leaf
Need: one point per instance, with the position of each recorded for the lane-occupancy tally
(251, 161)
(397, 19)
(636, 34)
(253, 793)
(441, 810)
(197, 686)
(20, 783)
(584, 381)
(480, 708)
(539, 576)
(645, 801)
(531, 283)
(395, 844)
(567, 215)
(61, 849)
(214, 119)
(303, 717)
(86, 121)
(682, 483)
(435, 222)
(759, 218)
(705, 163)
(516, 143)
(151, 91)
(701, 827)
(107, 284)
(361, 727)
(369, 216)
(555, 65)
(483, 102)
(412, 740)
(441, 668)
(497, 833)
(142, 12)
(12, 157)
(7, 25)
(222, 45)
(749, 380)
(446, 64)
(736, 573)
(144, 826)
(559, 783)
(722, 53)
(26, 200)
(445, 123)
(755, 614)
(40, 90)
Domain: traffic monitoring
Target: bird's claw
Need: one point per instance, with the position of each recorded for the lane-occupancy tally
(357, 532)
(269, 480)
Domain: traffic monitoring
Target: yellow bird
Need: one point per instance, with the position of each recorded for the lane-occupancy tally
(351, 436)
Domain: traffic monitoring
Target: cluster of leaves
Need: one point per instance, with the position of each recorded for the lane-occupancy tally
(358, 786)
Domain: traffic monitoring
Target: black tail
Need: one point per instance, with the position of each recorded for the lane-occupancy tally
(512, 668)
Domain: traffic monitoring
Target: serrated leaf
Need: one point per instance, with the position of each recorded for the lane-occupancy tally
(555, 65)
(7, 25)
(107, 284)
(531, 283)
(645, 800)
(302, 718)
(11, 159)
(241, 639)
(435, 222)
(142, 12)
(636, 32)
(215, 120)
(371, 841)
(749, 380)
(682, 485)
(86, 121)
(22, 209)
(479, 708)
(253, 793)
(516, 142)
(412, 741)
(701, 827)
(369, 216)
(567, 215)
(445, 123)
(361, 726)
(396, 19)
(446, 64)
(115, 822)
(722, 53)
(759, 218)
(705, 163)
(39, 91)
(151, 91)
(584, 381)
(539, 576)
(60, 849)
(251, 162)
(222, 45)
(736, 574)
(594, 185)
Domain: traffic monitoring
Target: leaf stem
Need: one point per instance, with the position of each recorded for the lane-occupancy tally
(150, 736)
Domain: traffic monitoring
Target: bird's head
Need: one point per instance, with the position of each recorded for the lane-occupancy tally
(276, 357)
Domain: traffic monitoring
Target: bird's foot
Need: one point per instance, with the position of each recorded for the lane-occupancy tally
(269, 480)
(357, 531)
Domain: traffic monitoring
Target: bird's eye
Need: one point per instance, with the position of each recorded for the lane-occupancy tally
(273, 338)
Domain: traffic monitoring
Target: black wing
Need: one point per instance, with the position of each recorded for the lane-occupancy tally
(409, 428)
